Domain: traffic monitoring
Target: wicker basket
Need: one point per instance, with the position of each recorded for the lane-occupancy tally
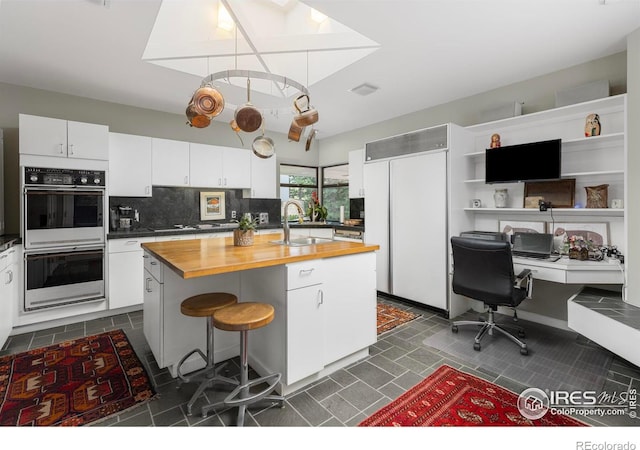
(242, 238)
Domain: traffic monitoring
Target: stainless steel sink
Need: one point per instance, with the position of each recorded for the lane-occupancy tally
(301, 242)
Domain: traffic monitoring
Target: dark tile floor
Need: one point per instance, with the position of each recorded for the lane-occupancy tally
(397, 362)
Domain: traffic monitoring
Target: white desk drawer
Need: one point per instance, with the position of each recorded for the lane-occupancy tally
(543, 273)
(153, 266)
(304, 273)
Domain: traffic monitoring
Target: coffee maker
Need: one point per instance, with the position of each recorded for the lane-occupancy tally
(122, 218)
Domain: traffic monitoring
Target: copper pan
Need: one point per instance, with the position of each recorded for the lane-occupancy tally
(195, 119)
(208, 101)
(247, 116)
(295, 131)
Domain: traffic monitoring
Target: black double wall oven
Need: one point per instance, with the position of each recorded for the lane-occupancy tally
(64, 237)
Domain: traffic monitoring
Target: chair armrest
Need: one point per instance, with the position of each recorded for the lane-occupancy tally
(524, 281)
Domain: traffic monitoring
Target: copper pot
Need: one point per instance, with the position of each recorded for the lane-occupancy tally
(312, 134)
(295, 131)
(195, 119)
(247, 116)
(307, 115)
(208, 101)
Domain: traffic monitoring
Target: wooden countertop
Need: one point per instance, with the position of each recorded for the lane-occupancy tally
(201, 257)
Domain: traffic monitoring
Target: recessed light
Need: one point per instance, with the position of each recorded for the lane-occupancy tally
(364, 89)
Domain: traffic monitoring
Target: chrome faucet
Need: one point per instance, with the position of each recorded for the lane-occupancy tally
(285, 222)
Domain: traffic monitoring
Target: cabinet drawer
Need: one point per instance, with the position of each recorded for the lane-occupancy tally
(8, 257)
(153, 266)
(543, 273)
(128, 245)
(303, 274)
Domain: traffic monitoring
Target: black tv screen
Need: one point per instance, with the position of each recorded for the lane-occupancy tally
(534, 161)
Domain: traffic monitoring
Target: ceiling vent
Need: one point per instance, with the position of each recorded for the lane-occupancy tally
(364, 89)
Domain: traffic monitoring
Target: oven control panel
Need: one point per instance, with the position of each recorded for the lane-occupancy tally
(63, 177)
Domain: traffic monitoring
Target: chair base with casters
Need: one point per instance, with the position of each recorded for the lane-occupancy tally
(243, 317)
(204, 305)
(488, 327)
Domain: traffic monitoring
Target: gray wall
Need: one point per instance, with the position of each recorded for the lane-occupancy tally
(632, 210)
(120, 118)
(536, 94)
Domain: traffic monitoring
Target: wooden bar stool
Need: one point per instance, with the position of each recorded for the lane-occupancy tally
(243, 317)
(204, 305)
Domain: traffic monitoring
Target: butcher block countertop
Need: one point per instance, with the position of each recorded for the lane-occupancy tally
(202, 257)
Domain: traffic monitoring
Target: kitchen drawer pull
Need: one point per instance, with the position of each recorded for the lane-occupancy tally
(10, 273)
(71, 148)
(320, 297)
(154, 263)
(306, 271)
(61, 147)
(4, 256)
(147, 286)
(145, 256)
(131, 242)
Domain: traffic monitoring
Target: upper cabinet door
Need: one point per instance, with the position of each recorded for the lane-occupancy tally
(205, 165)
(47, 136)
(129, 165)
(263, 177)
(236, 168)
(43, 136)
(87, 141)
(170, 162)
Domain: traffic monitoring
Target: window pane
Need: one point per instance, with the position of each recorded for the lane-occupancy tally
(298, 175)
(333, 198)
(336, 175)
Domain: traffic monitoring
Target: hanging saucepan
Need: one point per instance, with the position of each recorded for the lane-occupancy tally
(295, 131)
(208, 101)
(312, 134)
(195, 119)
(247, 116)
(236, 129)
(263, 146)
(307, 115)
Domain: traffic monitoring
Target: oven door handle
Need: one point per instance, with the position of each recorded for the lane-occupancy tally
(32, 257)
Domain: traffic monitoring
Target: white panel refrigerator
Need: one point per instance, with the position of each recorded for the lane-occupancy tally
(406, 214)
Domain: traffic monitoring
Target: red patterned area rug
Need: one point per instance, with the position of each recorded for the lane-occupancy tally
(449, 397)
(390, 317)
(72, 383)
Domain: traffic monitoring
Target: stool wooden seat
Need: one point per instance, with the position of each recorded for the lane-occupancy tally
(205, 305)
(244, 317)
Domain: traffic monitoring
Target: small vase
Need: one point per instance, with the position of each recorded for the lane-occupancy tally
(242, 238)
(500, 197)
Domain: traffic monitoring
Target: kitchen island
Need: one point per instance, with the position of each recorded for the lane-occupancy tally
(324, 297)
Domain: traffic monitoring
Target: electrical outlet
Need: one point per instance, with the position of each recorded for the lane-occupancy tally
(233, 214)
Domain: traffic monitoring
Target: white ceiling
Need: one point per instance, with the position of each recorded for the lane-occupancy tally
(431, 51)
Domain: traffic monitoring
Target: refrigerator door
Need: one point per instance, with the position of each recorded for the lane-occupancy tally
(418, 230)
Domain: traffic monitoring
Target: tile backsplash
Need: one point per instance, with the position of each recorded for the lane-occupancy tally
(177, 205)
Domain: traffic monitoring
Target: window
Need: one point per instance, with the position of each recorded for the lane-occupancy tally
(297, 182)
(335, 190)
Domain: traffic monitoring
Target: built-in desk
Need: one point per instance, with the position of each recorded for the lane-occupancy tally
(572, 271)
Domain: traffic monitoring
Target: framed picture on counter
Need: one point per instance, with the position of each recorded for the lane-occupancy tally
(598, 233)
(212, 206)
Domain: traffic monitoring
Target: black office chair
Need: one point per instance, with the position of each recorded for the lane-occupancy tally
(483, 270)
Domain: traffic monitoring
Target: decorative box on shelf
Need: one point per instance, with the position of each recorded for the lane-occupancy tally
(581, 254)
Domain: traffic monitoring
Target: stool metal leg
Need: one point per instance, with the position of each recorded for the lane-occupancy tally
(209, 374)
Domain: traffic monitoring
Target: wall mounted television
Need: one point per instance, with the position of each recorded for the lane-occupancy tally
(534, 161)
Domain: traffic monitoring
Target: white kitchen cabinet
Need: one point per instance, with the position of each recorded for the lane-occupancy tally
(8, 291)
(356, 173)
(152, 321)
(126, 271)
(129, 165)
(46, 136)
(305, 329)
(263, 178)
(177, 237)
(349, 310)
(170, 162)
(376, 203)
(219, 167)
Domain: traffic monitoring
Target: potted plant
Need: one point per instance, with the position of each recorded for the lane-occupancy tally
(316, 212)
(243, 235)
